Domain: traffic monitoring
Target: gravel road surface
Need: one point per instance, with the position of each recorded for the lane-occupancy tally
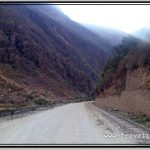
(68, 124)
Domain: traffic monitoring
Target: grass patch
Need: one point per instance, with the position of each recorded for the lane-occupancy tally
(6, 111)
(141, 119)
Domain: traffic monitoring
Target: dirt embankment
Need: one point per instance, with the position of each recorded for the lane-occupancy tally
(136, 96)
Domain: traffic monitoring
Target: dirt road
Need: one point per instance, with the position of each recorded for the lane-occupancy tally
(68, 124)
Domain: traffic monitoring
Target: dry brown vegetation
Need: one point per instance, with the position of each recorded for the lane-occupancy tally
(17, 90)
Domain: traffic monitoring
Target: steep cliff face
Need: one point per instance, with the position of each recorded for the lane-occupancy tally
(127, 86)
(129, 80)
(134, 98)
(138, 79)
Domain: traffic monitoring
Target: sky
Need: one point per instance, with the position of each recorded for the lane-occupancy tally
(127, 18)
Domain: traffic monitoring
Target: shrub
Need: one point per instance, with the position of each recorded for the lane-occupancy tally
(145, 57)
(41, 101)
(87, 98)
(132, 65)
(14, 87)
(146, 86)
(28, 96)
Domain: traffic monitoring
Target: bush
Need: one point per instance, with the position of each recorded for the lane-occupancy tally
(87, 98)
(28, 96)
(145, 57)
(41, 101)
(14, 87)
(132, 65)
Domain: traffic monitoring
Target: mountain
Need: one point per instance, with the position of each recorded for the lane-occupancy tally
(125, 80)
(45, 57)
(143, 33)
(110, 35)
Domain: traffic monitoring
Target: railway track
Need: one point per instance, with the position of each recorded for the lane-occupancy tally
(127, 126)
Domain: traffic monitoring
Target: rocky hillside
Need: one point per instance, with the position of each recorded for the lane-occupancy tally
(46, 56)
(125, 81)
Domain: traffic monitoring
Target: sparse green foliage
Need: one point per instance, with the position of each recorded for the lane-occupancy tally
(145, 57)
(41, 101)
(142, 119)
(132, 63)
(87, 98)
(119, 52)
(28, 96)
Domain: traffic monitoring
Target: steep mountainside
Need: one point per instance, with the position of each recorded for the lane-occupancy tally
(112, 36)
(125, 80)
(46, 55)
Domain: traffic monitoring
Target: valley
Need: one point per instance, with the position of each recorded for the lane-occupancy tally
(65, 82)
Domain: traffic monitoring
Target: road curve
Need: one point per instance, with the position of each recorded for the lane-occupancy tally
(68, 124)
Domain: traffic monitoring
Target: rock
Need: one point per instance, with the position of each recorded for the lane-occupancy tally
(116, 109)
(9, 90)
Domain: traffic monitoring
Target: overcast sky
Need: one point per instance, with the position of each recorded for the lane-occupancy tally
(127, 18)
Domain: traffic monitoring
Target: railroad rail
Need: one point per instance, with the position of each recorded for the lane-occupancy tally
(130, 128)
